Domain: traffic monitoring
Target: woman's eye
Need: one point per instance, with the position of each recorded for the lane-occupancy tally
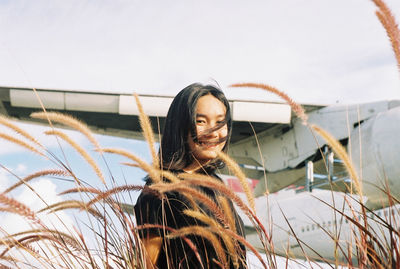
(200, 121)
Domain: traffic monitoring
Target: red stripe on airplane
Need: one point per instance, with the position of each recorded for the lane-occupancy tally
(235, 185)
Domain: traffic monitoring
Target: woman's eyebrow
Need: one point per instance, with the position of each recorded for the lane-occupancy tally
(204, 115)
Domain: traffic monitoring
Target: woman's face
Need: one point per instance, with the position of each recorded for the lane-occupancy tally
(209, 113)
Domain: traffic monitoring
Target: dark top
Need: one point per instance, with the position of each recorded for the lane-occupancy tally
(168, 212)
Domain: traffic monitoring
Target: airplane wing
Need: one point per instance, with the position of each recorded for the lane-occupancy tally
(268, 142)
(117, 115)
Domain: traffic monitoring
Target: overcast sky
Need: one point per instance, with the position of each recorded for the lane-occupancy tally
(318, 51)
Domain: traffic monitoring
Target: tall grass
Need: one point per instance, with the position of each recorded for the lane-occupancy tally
(117, 244)
(110, 237)
(116, 241)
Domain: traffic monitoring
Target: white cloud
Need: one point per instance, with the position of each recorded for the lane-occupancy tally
(3, 180)
(46, 190)
(12, 223)
(21, 167)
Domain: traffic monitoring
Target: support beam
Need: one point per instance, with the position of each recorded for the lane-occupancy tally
(309, 176)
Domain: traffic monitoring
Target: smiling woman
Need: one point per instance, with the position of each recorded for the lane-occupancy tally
(211, 132)
(197, 128)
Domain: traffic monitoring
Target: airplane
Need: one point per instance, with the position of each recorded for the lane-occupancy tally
(303, 224)
(271, 145)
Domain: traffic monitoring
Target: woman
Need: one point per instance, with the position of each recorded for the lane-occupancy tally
(197, 128)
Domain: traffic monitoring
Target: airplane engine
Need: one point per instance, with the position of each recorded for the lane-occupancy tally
(374, 147)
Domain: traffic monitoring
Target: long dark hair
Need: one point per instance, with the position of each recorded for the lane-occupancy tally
(181, 118)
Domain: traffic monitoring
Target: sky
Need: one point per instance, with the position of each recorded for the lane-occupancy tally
(317, 51)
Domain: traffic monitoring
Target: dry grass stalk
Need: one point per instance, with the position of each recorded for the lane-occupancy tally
(226, 208)
(201, 217)
(20, 208)
(198, 176)
(6, 122)
(22, 245)
(247, 245)
(191, 194)
(206, 234)
(92, 263)
(12, 260)
(61, 236)
(2, 266)
(80, 150)
(68, 121)
(105, 195)
(154, 174)
(72, 204)
(341, 152)
(297, 109)
(192, 180)
(218, 229)
(130, 164)
(388, 21)
(52, 172)
(9, 210)
(9, 258)
(170, 176)
(21, 143)
(366, 234)
(81, 189)
(147, 132)
(169, 229)
(241, 176)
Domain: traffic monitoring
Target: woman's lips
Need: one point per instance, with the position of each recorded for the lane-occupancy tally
(208, 144)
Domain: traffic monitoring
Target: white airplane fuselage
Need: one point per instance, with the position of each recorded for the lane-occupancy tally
(316, 225)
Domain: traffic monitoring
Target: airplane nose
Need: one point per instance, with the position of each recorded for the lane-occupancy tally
(375, 151)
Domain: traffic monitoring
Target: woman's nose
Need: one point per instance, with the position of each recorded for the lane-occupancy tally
(213, 131)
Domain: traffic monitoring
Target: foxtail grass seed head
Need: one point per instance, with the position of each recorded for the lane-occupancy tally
(341, 153)
(388, 22)
(215, 226)
(68, 121)
(113, 191)
(6, 122)
(42, 173)
(80, 150)
(153, 172)
(81, 189)
(206, 234)
(227, 212)
(194, 180)
(20, 208)
(72, 204)
(192, 194)
(147, 132)
(21, 143)
(241, 176)
(297, 109)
